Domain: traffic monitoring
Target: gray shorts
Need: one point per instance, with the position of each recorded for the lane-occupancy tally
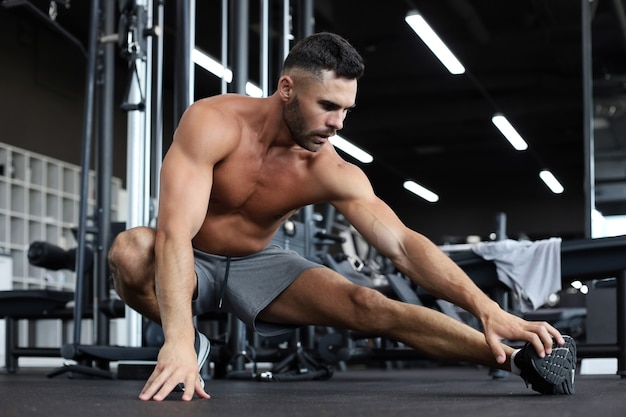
(253, 282)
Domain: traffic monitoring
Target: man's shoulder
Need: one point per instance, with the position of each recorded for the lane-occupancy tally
(226, 102)
(210, 124)
(343, 178)
(225, 108)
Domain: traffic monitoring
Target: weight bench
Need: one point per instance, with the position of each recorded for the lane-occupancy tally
(42, 305)
(31, 304)
(583, 259)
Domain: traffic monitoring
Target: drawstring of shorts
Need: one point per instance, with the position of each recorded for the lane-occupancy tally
(223, 292)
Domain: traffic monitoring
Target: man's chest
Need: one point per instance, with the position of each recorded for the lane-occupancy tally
(270, 189)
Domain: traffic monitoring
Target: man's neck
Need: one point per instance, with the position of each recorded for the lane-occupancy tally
(273, 129)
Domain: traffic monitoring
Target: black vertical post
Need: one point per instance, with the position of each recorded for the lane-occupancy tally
(501, 226)
(88, 114)
(105, 171)
(158, 102)
(589, 152)
(239, 33)
(182, 59)
(285, 30)
(306, 21)
(240, 50)
(499, 293)
(620, 292)
(304, 28)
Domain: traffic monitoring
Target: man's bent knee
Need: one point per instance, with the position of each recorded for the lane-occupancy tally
(131, 257)
(133, 244)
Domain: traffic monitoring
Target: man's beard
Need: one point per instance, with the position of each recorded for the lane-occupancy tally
(298, 127)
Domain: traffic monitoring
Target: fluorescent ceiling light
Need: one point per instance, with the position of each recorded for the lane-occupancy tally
(509, 132)
(351, 149)
(432, 40)
(214, 67)
(553, 184)
(211, 65)
(417, 189)
(253, 90)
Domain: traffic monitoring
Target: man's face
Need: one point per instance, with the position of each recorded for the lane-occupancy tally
(318, 109)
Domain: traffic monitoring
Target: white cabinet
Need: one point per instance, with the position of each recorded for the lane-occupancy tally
(40, 201)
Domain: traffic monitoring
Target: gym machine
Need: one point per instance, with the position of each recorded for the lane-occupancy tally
(95, 231)
(133, 38)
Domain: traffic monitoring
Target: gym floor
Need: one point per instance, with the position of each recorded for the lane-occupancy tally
(358, 391)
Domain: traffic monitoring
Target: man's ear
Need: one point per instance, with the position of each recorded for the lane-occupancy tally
(285, 87)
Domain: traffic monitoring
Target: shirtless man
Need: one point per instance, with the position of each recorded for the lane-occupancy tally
(237, 168)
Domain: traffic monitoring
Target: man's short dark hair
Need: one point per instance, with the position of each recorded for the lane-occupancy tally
(325, 51)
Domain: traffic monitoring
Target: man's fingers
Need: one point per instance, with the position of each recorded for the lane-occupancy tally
(190, 382)
(165, 390)
(543, 338)
(496, 349)
(151, 386)
(200, 391)
(197, 388)
(160, 385)
(556, 335)
(500, 356)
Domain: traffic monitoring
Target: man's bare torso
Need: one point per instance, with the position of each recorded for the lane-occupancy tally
(255, 188)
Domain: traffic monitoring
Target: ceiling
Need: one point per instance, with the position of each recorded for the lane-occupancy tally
(523, 59)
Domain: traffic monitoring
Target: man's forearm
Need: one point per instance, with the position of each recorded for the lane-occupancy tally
(175, 283)
(437, 274)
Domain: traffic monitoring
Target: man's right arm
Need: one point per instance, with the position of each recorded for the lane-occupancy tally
(186, 182)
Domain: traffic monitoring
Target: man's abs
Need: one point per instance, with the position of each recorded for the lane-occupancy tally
(234, 235)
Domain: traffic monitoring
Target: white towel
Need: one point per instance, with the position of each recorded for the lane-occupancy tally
(531, 269)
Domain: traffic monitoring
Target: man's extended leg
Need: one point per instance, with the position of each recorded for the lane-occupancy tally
(322, 297)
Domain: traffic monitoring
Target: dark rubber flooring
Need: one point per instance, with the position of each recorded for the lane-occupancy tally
(432, 391)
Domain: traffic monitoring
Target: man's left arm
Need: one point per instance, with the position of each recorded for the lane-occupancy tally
(424, 263)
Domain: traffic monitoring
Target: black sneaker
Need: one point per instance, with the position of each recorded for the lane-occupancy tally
(203, 347)
(553, 374)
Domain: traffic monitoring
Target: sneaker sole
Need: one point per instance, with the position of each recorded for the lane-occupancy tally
(203, 349)
(559, 367)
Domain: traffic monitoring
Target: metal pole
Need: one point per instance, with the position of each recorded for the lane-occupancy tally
(306, 21)
(620, 293)
(240, 10)
(138, 147)
(137, 165)
(589, 184)
(148, 97)
(158, 103)
(304, 29)
(224, 45)
(105, 173)
(286, 29)
(264, 45)
(85, 158)
(183, 68)
(240, 61)
(501, 226)
(191, 45)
